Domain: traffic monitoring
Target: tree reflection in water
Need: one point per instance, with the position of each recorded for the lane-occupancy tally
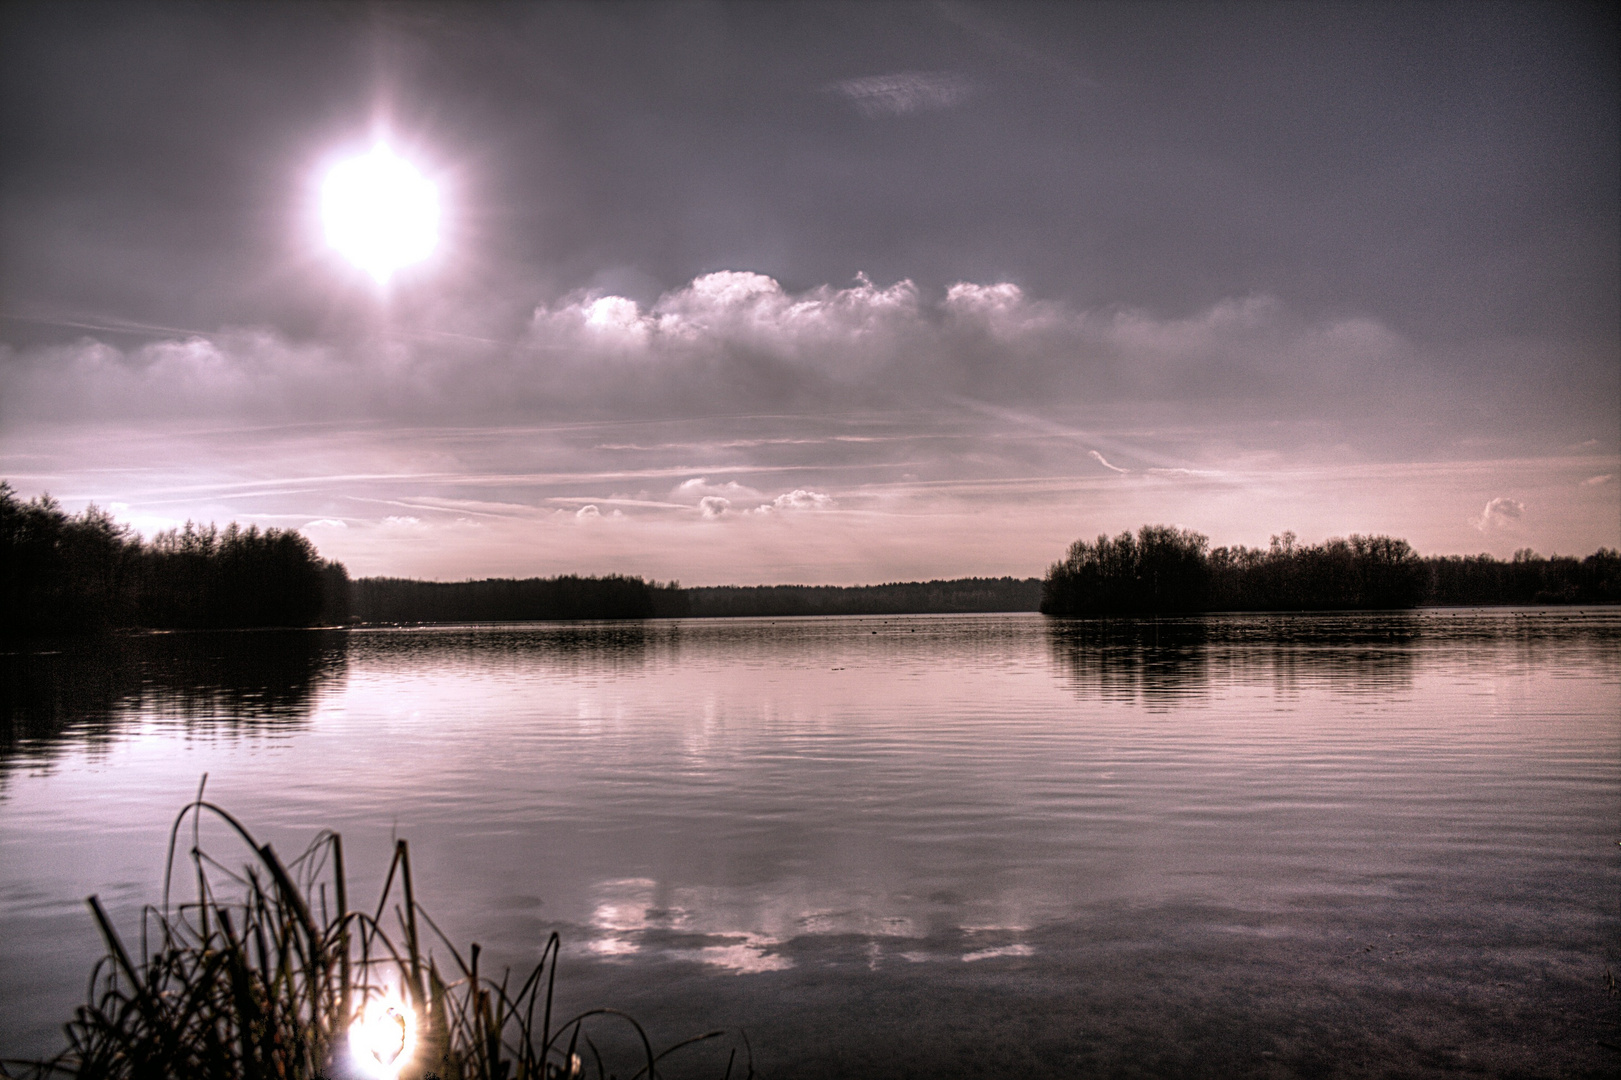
(1162, 662)
(85, 693)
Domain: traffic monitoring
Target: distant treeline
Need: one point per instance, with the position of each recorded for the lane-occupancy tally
(64, 573)
(69, 573)
(396, 600)
(402, 600)
(1162, 569)
(900, 598)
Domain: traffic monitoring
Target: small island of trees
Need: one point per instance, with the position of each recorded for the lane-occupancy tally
(1166, 570)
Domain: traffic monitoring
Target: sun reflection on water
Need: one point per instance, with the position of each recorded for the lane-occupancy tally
(383, 1037)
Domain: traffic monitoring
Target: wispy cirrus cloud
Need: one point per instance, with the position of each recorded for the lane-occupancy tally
(1101, 460)
(903, 92)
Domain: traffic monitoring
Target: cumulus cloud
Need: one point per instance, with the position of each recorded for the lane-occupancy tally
(1499, 513)
(230, 372)
(323, 523)
(904, 92)
(740, 336)
(1595, 481)
(798, 499)
(588, 512)
(716, 505)
(731, 342)
(699, 486)
(739, 325)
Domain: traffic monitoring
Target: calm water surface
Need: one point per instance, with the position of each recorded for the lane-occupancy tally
(969, 845)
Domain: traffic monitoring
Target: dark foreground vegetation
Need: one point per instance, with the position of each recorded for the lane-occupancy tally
(1167, 570)
(264, 972)
(64, 573)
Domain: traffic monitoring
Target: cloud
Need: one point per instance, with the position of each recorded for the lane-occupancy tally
(904, 92)
(1102, 461)
(731, 311)
(736, 342)
(1595, 481)
(699, 486)
(798, 499)
(739, 337)
(718, 500)
(1499, 513)
(324, 523)
(588, 512)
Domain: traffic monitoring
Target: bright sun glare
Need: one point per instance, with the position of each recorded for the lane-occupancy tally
(383, 1037)
(380, 212)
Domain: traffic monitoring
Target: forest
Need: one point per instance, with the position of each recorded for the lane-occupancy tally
(64, 573)
(402, 600)
(1168, 570)
(397, 600)
(960, 595)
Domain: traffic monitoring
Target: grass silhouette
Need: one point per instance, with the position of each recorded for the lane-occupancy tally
(264, 978)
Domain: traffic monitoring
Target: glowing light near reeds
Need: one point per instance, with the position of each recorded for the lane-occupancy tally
(383, 1037)
(380, 212)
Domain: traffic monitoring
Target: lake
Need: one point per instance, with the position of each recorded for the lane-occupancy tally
(997, 845)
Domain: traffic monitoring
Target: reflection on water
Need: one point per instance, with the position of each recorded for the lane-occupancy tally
(599, 648)
(1164, 661)
(1193, 845)
(630, 917)
(84, 692)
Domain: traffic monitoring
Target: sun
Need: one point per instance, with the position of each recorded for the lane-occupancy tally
(380, 212)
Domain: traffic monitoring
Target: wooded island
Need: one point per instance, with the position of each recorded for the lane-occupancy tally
(1165, 570)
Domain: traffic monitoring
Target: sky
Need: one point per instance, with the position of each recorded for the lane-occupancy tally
(820, 293)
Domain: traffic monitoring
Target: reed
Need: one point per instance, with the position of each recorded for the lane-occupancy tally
(266, 977)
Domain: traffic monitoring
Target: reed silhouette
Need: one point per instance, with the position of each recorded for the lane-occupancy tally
(265, 970)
